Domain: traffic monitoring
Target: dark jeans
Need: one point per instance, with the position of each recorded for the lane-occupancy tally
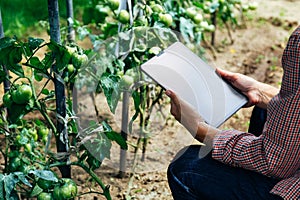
(192, 176)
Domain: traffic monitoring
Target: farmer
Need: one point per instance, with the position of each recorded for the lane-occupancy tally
(242, 165)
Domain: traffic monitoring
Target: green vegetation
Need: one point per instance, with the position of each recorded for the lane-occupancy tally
(19, 15)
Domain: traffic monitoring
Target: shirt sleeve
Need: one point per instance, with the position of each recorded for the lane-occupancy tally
(258, 154)
(241, 150)
(276, 152)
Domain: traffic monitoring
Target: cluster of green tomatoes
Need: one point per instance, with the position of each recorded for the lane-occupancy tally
(17, 95)
(62, 189)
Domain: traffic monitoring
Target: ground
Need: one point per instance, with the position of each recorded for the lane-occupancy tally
(256, 51)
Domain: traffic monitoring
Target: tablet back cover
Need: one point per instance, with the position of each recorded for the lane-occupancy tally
(193, 80)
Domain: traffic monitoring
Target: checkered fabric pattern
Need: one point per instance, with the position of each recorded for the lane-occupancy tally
(276, 153)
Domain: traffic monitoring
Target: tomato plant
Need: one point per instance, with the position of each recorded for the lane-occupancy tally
(29, 158)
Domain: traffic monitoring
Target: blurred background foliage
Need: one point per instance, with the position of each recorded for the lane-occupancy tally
(18, 15)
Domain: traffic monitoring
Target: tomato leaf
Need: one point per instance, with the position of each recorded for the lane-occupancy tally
(92, 162)
(36, 190)
(2, 195)
(21, 176)
(62, 57)
(82, 32)
(186, 29)
(35, 61)
(44, 174)
(18, 111)
(4, 55)
(48, 61)
(114, 136)
(103, 146)
(214, 6)
(45, 91)
(34, 43)
(3, 75)
(10, 182)
(17, 69)
(6, 42)
(110, 86)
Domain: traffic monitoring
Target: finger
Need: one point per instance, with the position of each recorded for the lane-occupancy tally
(173, 97)
(175, 104)
(227, 75)
(222, 72)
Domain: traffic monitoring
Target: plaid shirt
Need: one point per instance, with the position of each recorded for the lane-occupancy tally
(276, 153)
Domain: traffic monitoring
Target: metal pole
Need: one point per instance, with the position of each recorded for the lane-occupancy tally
(62, 138)
(6, 82)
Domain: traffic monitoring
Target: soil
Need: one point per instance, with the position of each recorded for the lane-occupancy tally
(256, 51)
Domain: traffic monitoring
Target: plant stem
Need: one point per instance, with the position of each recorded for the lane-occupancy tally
(90, 172)
(96, 178)
(40, 108)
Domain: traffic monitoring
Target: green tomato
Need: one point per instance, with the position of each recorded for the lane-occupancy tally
(211, 28)
(19, 140)
(166, 19)
(69, 189)
(71, 50)
(45, 139)
(66, 191)
(245, 7)
(70, 68)
(45, 184)
(43, 131)
(204, 25)
(148, 10)
(114, 4)
(155, 50)
(253, 5)
(126, 81)
(45, 196)
(198, 18)
(7, 100)
(141, 21)
(56, 193)
(124, 16)
(33, 133)
(191, 12)
(78, 60)
(22, 94)
(157, 8)
(28, 147)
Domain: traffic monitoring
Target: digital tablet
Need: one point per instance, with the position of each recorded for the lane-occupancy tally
(178, 69)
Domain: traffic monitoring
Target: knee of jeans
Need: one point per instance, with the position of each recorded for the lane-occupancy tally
(174, 167)
(177, 163)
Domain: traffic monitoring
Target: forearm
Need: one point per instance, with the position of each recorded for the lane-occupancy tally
(206, 133)
(266, 93)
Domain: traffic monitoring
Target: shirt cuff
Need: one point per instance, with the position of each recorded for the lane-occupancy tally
(223, 145)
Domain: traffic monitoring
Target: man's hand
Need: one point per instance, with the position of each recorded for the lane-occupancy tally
(184, 113)
(175, 105)
(190, 119)
(258, 93)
